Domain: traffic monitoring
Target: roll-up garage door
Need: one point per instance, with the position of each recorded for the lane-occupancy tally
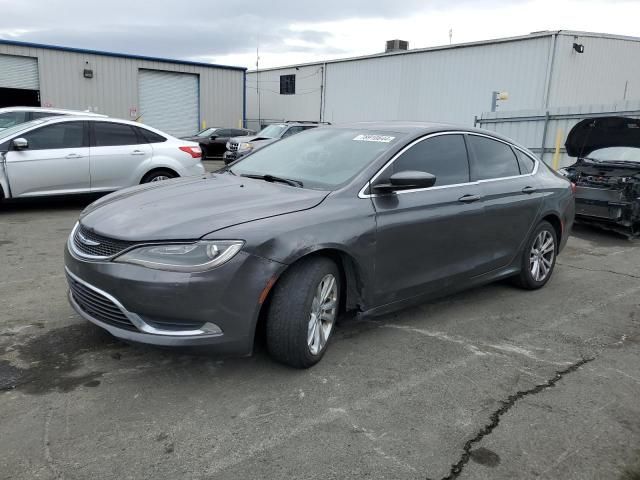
(19, 83)
(169, 101)
(19, 72)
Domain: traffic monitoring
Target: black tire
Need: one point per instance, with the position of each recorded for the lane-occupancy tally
(156, 175)
(525, 279)
(290, 310)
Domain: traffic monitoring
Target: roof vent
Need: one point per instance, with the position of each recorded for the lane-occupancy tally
(396, 45)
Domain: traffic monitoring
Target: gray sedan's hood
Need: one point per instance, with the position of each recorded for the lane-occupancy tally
(189, 208)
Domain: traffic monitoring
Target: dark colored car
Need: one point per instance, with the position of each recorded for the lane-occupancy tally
(607, 172)
(213, 140)
(241, 146)
(368, 217)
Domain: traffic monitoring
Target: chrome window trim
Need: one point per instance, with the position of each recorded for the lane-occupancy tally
(138, 322)
(362, 194)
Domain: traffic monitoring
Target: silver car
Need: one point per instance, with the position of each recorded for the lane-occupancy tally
(76, 154)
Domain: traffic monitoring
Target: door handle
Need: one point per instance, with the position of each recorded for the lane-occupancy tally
(137, 152)
(73, 155)
(528, 190)
(469, 198)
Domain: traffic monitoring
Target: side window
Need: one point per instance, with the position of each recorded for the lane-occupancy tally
(9, 119)
(107, 134)
(493, 159)
(239, 133)
(524, 161)
(58, 135)
(148, 136)
(444, 156)
(224, 133)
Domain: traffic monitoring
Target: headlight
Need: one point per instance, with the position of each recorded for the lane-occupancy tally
(183, 257)
(228, 146)
(245, 146)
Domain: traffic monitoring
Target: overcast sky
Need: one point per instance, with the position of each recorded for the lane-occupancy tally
(296, 31)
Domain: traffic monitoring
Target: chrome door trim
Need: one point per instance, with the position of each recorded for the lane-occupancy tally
(362, 194)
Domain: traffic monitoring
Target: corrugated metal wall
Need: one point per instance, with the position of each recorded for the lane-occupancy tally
(449, 85)
(304, 105)
(539, 129)
(113, 89)
(607, 72)
(454, 84)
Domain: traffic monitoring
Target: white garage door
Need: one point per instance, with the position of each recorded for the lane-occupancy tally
(169, 101)
(19, 72)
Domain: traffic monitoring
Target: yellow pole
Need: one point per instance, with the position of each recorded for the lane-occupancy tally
(204, 124)
(240, 123)
(556, 153)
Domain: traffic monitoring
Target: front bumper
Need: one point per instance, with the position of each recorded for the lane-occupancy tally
(605, 204)
(218, 308)
(230, 156)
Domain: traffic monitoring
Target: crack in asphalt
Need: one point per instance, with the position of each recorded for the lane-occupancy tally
(630, 275)
(456, 468)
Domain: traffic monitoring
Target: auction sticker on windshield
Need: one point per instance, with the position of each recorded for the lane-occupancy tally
(374, 138)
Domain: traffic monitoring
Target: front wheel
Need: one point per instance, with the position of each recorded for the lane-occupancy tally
(539, 257)
(303, 312)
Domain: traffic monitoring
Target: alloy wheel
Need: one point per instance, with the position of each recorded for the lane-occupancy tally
(541, 256)
(323, 314)
(159, 178)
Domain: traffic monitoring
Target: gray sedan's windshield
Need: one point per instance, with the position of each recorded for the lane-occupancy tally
(272, 131)
(323, 158)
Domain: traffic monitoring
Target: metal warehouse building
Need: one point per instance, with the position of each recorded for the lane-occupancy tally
(553, 78)
(175, 96)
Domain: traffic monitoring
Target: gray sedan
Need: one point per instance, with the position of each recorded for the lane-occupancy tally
(363, 217)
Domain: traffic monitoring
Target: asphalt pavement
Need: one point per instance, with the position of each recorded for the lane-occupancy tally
(493, 383)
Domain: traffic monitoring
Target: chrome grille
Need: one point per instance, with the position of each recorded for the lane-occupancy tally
(233, 147)
(98, 306)
(96, 245)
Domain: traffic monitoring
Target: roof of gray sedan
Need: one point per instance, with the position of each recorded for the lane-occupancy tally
(401, 126)
(417, 128)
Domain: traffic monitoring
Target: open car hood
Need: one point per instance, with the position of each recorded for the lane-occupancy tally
(594, 133)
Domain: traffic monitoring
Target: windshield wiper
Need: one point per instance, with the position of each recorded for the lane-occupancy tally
(273, 178)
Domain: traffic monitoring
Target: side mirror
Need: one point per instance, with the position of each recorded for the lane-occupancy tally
(406, 180)
(213, 136)
(20, 143)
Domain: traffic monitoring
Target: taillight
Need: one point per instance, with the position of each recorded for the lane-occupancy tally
(195, 152)
(573, 188)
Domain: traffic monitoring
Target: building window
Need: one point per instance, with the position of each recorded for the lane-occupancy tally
(287, 84)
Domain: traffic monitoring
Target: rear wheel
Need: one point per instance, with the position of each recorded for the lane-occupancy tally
(539, 257)
(303, 312)
(158, 176)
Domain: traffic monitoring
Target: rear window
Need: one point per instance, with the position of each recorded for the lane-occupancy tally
(149, 136)
(525, 162)
(108, 134)
(493, 159)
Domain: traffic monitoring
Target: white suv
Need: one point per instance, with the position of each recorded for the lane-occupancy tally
(10, 116)
(76, 154)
